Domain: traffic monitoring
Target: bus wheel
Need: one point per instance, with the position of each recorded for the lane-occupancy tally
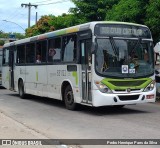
(21, 89)
(69, 98)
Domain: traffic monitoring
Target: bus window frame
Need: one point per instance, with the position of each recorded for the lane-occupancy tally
(54, 62)
(4, 49)
(62, 52)
(37, 41)
(28, 64)
(20, 64)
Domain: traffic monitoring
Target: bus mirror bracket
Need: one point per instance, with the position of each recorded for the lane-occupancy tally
(94, 47)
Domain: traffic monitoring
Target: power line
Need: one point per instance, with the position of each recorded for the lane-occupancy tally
(62, 1)
(42, 1)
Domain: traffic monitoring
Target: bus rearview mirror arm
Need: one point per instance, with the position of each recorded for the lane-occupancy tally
(94, 47)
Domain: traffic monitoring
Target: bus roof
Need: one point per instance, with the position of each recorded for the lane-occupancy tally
(64, 31)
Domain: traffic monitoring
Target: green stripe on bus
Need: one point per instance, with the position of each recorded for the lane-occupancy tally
(60, 32)
(121, 84)
(36, 75)
(75, 75)
(7, 76)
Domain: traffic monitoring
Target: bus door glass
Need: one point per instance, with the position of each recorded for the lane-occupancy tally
(86, 70)
(11, 67)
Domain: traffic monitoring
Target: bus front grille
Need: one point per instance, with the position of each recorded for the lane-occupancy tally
(128, 98)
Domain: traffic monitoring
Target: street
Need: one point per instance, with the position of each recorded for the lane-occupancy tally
(50, 118)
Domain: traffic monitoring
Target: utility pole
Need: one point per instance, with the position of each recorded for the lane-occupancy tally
(36, 17)
(29, 11)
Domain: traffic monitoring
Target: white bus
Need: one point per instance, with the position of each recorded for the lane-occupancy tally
(96, 64)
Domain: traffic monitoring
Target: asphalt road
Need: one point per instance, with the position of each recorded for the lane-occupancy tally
(50, 118)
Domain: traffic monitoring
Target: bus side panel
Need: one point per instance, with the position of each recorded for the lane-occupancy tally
(57, 74)
(5, 77)
(30, 78)
(54, 80)
(36, 80)
(19, 73)
(40, 81)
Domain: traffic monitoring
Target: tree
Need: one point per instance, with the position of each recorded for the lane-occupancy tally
(42, 26)
(6, 35)
(128, 11)
(51, 23)
(92, 10)
(153, 18)
(1, 43)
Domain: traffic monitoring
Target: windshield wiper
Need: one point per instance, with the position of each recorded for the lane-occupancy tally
(115, 49)
(138, 43)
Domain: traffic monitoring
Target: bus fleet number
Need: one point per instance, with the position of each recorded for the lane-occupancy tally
(61, 72)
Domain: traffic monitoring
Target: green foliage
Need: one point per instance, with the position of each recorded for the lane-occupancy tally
(153, 18)
(6, 35)
(128, 11)
(145, 12)
(42, 26)
(51, 23)
(1, 43)
(92, 10)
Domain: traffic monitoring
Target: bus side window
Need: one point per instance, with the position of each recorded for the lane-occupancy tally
(41, 49)
(69, 48)
(54, 50)
(20, 54)
(5, 56)
(30, 53)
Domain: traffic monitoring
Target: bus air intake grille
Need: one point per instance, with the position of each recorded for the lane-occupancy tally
(127, 83)
(128, 98)
(124, 90)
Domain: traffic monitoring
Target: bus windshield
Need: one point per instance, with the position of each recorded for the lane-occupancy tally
(126, 58)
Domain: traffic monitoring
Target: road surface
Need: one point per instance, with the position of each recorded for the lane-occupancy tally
(50, 118)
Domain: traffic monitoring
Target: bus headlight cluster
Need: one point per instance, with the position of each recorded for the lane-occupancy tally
(150, 87)
(102, 87)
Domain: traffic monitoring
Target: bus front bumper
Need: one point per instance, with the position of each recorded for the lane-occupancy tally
(104, 99)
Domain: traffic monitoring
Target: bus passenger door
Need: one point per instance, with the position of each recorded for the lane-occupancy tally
(86, 70)
(11, 68)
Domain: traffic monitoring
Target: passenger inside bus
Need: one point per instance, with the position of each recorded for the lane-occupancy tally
(38, 59)
(51, 54)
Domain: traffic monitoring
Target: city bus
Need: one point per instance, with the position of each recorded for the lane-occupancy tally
(103, 63)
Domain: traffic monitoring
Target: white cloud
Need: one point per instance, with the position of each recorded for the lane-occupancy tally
(11, 10)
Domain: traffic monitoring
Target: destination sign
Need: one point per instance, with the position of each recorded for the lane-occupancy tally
(117, 30)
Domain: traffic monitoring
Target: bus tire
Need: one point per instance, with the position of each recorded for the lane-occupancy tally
(21, 89)
(69, 98)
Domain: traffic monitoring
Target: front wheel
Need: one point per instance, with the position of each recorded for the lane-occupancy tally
(69, 98)
(21, 89)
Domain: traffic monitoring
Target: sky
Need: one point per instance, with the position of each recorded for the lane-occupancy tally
(17, 16)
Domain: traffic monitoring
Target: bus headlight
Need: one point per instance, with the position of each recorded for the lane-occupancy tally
(150, 87)
(102, 88)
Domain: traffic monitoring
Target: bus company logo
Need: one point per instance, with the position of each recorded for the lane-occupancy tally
(128, 90)
(6, 142)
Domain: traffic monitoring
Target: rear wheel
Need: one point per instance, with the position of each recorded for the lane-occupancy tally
(21, 89)
(69, 98)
